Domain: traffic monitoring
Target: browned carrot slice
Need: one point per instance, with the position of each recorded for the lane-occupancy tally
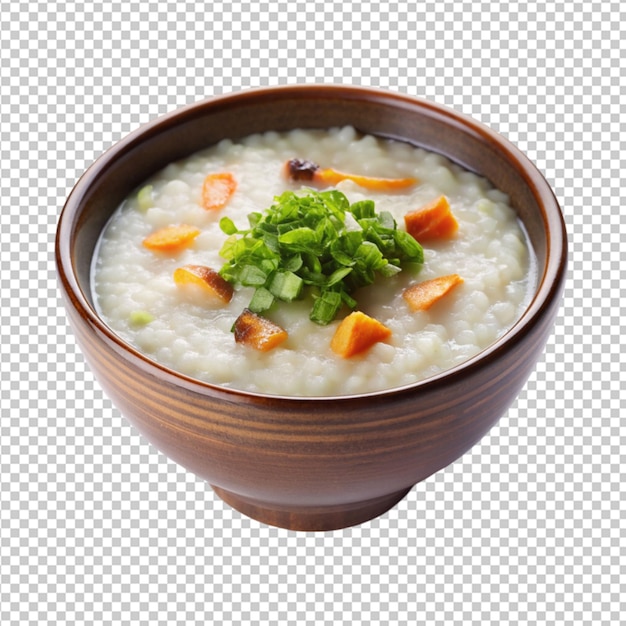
(299, 169)
(206, 279)
(258, 332)
(422, 296)
(356, 333)
(433, 221)
(217, 190)
(171, 238)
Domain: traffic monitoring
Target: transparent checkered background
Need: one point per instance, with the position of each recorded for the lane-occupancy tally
(97, 527)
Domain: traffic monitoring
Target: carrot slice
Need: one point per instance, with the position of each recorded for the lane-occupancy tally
(330, 176)
(217, 190)
(422, 296)
(171, 238)
(206, 279)
(258, 332)
(433, 221)
(300, 169)
(356, 333)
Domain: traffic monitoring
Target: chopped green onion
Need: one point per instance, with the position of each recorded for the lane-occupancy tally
(252, 276)
(337, 276)
(144, 198)
(390, 270)
(409, 246)
(317, 241)
(363, 209)
(286, 286)
(228, 226)
(140, 318)
(261, 301)
(326, 307)
(302, 239)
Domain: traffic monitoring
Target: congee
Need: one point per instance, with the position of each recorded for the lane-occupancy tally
(312, 263)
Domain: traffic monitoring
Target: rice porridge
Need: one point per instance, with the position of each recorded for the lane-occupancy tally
(182, 328)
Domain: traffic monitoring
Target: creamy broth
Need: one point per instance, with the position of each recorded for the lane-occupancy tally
(138, 299)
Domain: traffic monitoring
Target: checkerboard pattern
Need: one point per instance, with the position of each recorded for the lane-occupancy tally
(97, 527)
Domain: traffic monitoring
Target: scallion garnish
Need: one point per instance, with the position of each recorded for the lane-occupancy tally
(304, 241)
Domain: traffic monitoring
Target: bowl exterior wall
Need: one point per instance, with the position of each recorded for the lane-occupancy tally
(308, 453)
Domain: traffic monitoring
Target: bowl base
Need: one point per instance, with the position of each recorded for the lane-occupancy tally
(316, 518)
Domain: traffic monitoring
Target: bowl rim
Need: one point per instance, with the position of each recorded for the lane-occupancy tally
(550, 282)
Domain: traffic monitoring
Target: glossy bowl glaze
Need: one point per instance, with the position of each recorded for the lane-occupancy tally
(311, 463)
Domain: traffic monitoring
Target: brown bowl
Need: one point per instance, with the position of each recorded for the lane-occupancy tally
(311, 463)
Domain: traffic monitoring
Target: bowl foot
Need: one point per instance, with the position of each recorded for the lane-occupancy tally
(315, 518)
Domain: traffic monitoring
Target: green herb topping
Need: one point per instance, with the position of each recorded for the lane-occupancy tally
(140, 318)
(319, 242)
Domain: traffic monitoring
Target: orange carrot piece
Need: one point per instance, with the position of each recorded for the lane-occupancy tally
(217, 190)
(258, 332)
(171, 238)
(330, 176)
(299, 169)
(433, 221)
(356, 333)
(206, 279)
(422, 296)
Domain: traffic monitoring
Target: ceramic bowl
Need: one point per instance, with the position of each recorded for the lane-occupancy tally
(311, 463)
